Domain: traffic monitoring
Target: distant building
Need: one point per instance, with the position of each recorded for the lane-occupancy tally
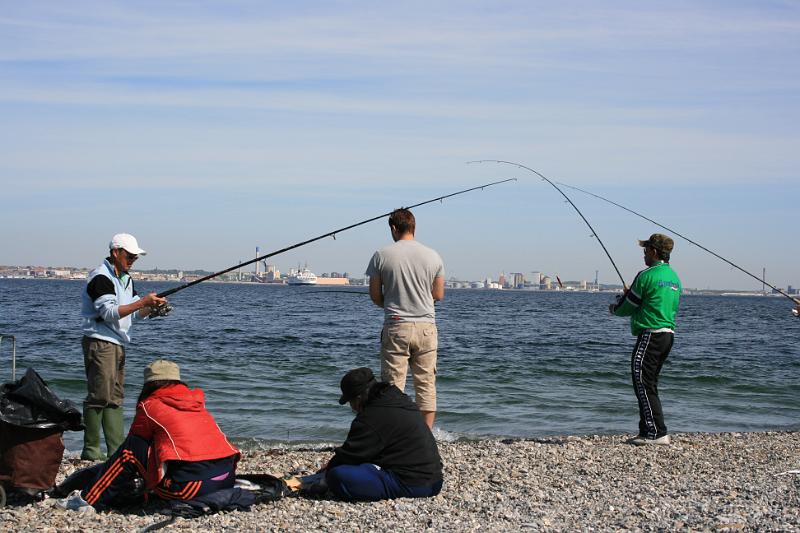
(333, 281)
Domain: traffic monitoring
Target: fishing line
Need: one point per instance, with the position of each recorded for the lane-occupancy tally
(329, 234)
(594, 233)
(731, 263)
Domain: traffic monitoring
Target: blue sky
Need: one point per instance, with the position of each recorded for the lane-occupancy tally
(209, 128)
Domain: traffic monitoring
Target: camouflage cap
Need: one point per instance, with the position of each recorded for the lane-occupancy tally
(660, 242)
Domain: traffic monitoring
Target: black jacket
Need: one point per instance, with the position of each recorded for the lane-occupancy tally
(391, 433)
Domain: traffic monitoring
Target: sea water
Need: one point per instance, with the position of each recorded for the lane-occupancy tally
(511, 363)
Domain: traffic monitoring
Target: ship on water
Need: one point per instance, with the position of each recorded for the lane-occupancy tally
(302, 277)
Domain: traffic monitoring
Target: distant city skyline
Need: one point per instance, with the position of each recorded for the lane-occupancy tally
(208, 131)
(513, 279)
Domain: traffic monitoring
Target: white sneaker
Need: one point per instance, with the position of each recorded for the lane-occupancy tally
(644, 441)
(74, 502)
(246, 484)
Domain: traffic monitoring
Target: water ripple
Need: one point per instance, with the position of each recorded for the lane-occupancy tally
(511, 363)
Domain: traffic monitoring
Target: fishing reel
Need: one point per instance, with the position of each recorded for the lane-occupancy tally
(161, 310)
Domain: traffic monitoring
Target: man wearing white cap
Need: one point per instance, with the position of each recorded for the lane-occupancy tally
(110, 305)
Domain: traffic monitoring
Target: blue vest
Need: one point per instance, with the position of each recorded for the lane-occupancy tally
(100, 318)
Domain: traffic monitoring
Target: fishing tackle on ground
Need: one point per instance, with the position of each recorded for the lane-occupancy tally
(731, 263)
(594, 233)
(329, 234)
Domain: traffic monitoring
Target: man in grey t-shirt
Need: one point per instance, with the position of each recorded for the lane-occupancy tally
(405, 278)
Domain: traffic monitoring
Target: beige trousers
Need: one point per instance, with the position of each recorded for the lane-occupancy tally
(414, 344)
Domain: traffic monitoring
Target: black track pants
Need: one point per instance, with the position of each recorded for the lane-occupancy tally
(648, 357)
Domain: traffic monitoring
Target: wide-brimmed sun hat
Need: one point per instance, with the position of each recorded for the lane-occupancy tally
(162, 370)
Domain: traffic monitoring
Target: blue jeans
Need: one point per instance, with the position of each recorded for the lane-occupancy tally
(368, 482)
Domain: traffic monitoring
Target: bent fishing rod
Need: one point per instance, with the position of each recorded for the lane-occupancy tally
(731, 263)
(329, 234)
(594, 233)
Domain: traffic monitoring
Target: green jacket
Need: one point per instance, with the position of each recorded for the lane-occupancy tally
(652, 301)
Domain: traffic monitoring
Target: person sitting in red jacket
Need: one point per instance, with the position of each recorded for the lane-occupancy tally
(174, 444)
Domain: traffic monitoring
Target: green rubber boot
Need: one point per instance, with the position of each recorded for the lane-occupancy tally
(92, 419)
(113, 428)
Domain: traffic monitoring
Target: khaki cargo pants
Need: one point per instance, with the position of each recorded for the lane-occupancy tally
(414, 344)
(105, 373)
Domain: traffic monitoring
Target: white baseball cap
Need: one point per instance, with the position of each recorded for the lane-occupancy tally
(126, 242)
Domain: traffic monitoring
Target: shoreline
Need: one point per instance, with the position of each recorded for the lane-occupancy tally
(718, 481)
(688, 291)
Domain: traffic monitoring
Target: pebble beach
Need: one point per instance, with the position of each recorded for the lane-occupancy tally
(701, 482)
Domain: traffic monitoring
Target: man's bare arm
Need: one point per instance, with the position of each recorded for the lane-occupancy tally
(437, 290)
(376, 290)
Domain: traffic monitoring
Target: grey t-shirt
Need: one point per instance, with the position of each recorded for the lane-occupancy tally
(407, 270)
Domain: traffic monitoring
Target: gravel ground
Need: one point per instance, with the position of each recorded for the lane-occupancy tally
(701, 482)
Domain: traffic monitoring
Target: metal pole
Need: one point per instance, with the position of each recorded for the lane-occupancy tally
(13, 355)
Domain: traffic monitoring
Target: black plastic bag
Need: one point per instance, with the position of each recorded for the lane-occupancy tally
(29, 403)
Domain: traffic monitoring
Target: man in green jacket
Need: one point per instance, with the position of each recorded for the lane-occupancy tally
(651, 302)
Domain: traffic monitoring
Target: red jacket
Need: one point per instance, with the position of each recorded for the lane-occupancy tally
(175, 421)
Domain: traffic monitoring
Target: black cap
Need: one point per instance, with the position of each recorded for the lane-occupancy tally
(354, 383)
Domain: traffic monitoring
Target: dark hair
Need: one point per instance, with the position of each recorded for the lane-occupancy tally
(374, 388)
(403, 221)
(151, 386)
(660, 254)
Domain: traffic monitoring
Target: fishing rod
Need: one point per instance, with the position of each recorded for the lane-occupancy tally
(734, 265)
(594, 233)
(329, 234)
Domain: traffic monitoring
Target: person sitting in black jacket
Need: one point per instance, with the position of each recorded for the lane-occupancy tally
(389, 452)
